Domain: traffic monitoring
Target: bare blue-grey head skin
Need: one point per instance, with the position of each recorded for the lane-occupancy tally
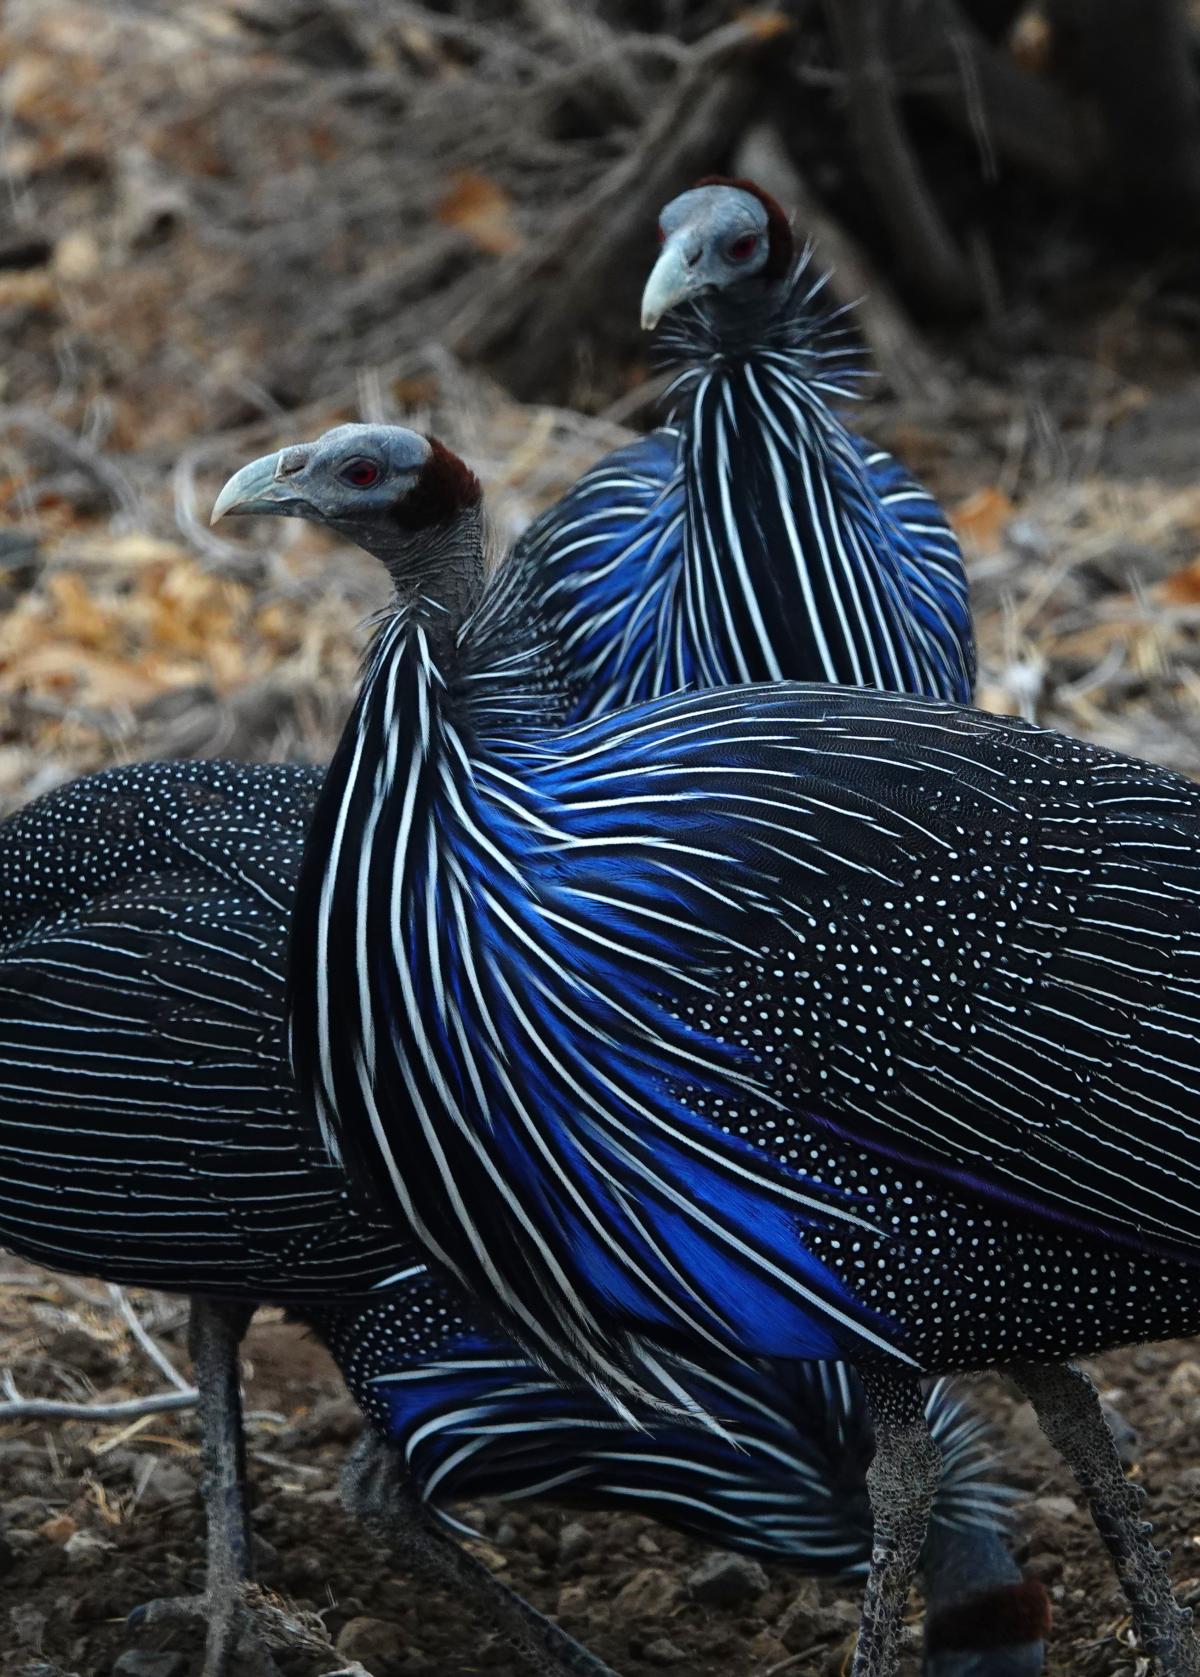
(348, 478)
(403, 497)
(713, 237)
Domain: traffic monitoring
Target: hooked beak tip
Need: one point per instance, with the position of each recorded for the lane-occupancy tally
(672, 279)
(253, 489)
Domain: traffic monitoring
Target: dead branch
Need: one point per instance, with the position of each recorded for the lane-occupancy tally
(938, 55)
(920, 239)
(16, 1408)
(538, 300)
(152, 1350)
(1134, 59)
(110, 477)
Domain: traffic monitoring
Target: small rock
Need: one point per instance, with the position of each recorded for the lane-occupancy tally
(647, 1545)
(29, 1626)
(1184, 1380)
(541, 1542)
(649, 1594)
(506, 1533)
(376, 1644)
(168, 1483)
(766, 1650)
(136, 1663)
(1054, 1507)
(574, 1542)
(723, 1580)
(662, 1651)
(807, 1620)
(798, 1626)
(572, 1603)
(1045, 1567)
(86, 1548)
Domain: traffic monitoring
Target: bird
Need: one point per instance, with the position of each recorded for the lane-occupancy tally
(754, 537)
(148, 1123)
(784, 1020)
(463, 1415)
(149, 1127)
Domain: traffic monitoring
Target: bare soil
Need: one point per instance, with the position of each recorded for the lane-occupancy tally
(96, 1519)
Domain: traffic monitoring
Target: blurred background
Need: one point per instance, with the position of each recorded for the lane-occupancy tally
(229, 224)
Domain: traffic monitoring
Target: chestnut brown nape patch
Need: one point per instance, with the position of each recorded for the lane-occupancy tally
(781, 246)
(445, 488)
(1000, 1618)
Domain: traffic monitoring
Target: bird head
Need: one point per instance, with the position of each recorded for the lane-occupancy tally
(380, 485)
(720, 234)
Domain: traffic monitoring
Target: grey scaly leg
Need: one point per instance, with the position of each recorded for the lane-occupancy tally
(901, 1482)
(215, 1333)
(378, 1491)
(1069, 1413)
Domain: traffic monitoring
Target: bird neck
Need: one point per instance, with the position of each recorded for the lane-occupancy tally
(437, 573)
(794, 566)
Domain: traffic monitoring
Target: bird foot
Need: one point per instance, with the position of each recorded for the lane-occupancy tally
(233, 1630)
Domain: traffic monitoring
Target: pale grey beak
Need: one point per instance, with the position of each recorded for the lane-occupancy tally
(260, 488)
(672, 279)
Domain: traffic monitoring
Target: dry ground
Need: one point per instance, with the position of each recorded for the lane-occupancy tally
(99, 1518)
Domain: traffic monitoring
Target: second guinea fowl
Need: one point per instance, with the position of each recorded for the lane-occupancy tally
(755, 537)
(773, 1021)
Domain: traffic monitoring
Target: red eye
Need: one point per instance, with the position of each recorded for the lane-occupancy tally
(741, 249)
(360, 474)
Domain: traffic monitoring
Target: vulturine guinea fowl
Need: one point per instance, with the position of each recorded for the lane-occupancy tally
(755, 537)
(83, 932)
(460, 1415)
(782, 1021)
(141, 993)
(148, 1124)
(149, 1130)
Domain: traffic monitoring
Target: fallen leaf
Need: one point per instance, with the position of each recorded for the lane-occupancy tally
(981, 519)
(764, 25)
(481, 209)
(59, 1529)
(1182, 587)
(1032, 42)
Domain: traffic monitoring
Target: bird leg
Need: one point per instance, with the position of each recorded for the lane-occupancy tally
(215, 1333)
(1069, 1413)
(377, 1489)
(902, 1481)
